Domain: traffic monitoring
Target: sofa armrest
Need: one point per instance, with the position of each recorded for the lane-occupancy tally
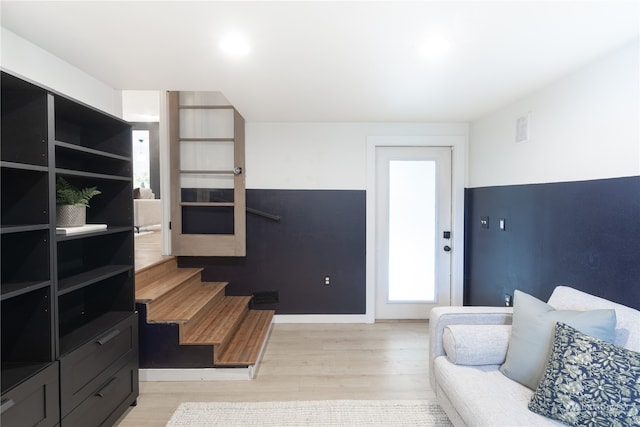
(444, 316)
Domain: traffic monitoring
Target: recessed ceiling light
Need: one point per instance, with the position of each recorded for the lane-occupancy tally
(434, 47)
(235, 45)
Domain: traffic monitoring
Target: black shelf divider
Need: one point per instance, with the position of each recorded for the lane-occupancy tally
(14, 289)
(71, 172)
(89, 277)
(82, 149)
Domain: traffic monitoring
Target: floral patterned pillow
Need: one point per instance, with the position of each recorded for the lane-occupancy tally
(589, 382)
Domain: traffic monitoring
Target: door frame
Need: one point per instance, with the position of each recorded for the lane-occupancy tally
(458, 144)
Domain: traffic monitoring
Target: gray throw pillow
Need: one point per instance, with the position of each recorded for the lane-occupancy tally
(532, 335)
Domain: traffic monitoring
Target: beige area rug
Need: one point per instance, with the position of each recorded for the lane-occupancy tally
(310, 413)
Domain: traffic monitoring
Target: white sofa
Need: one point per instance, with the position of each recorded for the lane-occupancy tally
(147, 210)
(480, 394)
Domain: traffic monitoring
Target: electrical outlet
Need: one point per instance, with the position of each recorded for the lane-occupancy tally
(508, 300)
(327, 280)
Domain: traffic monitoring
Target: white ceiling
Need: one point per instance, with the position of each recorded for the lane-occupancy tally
(332, 61)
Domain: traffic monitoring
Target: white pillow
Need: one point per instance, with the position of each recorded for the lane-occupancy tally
(476, 344)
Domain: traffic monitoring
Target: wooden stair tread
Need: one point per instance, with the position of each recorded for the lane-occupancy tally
(155, 271)
(218, 327)
(244, 348)
(164, 285)
(185, 303)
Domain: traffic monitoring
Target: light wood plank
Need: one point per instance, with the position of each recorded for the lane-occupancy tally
(181, 306)
(378, 361)
(243, 349)
(167, 282)
(218, 328)
(148, 251)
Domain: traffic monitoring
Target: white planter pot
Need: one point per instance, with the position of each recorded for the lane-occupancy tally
(71, 215)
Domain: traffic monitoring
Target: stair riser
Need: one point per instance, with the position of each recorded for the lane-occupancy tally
(155, 272)
(220, 347)
(187, 328)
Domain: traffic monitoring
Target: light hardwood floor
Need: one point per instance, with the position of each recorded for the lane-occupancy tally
(310, 362)
(303, 362)
(147, 249)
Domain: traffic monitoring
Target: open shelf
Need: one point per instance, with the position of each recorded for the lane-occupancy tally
(14, 289)
(25, 259)
(89, 277)
(83, 126)
(80, 159)
(58, 292)
(27, 343)
(23, 109)
(25, 196)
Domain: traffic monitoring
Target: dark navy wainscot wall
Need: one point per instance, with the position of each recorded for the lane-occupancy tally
(321, 233)
(582, 234)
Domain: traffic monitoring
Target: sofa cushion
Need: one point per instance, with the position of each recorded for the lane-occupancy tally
(482, 396)
(589, 381)
(627, 333)
(532, 335)
(476, 344)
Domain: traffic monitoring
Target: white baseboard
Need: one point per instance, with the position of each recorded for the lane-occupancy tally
(322, 318)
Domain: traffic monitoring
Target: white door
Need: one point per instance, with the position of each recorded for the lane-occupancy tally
(413, 217)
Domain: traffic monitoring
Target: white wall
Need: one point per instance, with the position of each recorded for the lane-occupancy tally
(321, 155)
(24, 59)
(584, 126)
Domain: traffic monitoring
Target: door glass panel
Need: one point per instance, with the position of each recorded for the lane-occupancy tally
(206, 188)
(206, 155)
(412, 216)
(202, 123)
(207, 220)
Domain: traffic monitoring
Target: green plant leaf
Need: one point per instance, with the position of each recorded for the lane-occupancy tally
(67, 194)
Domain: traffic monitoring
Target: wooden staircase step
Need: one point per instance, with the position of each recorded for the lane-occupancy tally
(185, 302)
(220, 325)
(165, 284)
(244, 348)
(155, 271)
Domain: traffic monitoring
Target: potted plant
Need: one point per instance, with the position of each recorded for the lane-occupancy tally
(72, 203)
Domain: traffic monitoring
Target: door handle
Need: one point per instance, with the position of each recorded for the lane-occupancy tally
(447, 248)
(108, 337)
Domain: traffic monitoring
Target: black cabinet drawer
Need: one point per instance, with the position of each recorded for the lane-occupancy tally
(107, 401)
(83, 370)
(34, 401)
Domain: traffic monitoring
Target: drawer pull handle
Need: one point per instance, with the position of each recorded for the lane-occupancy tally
(104, 390)
(108, 337)
(6, 405)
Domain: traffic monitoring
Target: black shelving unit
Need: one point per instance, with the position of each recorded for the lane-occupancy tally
(68, 301)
